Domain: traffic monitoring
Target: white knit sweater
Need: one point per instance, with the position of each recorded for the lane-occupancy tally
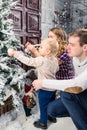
(80, 79)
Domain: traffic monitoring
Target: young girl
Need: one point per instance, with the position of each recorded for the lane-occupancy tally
(46, 65)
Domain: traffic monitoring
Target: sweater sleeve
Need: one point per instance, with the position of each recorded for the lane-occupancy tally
(80, 81)
(29, 61)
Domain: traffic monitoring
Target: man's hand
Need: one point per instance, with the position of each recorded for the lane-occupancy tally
(37, 84)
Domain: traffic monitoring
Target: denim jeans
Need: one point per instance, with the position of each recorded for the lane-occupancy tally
(45, 97)
(73, 105)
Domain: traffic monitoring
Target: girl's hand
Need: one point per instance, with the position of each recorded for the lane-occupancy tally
(29, 46)
(11, 52)
(32, 49)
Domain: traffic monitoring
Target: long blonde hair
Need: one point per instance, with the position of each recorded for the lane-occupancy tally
(61, 38)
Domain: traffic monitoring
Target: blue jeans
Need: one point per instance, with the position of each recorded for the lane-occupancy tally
(73, 105)
(45, 97)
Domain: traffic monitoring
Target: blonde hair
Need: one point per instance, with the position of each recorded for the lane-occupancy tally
(52, 45)
(61, 38)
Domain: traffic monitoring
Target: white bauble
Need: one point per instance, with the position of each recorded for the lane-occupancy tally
(10, 50)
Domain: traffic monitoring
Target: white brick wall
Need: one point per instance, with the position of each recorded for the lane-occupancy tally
(47, 16)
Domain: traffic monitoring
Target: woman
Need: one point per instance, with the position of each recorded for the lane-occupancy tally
(65, 62)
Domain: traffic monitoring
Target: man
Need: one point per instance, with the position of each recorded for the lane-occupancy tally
(69, 103)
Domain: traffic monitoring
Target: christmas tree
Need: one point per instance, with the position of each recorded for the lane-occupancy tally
(11, 74)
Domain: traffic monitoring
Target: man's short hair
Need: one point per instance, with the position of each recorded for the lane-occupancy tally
(82, 34)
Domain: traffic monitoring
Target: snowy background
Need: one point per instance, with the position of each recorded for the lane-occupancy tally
(16, 120)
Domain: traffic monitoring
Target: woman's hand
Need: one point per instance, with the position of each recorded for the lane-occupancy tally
(11, 52)
(37, 84)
